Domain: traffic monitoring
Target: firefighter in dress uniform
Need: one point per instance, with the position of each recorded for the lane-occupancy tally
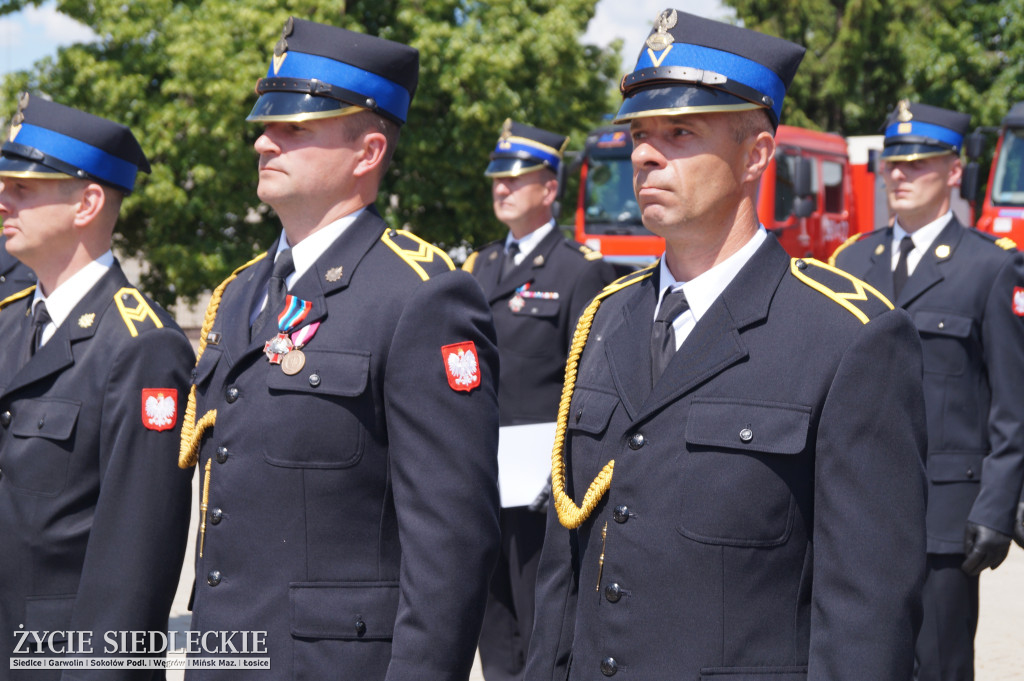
(737, 467)
(344, 410)
(965, 292)
(537, 283)
(93, 508)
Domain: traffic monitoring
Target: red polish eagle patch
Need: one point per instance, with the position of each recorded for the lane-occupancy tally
(1018, 301)
(159, 408)
(461, 365)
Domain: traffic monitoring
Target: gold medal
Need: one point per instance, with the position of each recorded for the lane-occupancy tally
(293, 362)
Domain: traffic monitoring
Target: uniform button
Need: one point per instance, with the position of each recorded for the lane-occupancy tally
(613, 592)
(637, 441)
(746, 435)
(214, 577)
(222, 454)
(621, 514)
(360, 627)
(579, 415)
(193, 375)
(314, 379)
(231, 394)
(609, 666)
(801, 265)
(970, 473)
(41, 423)
(216, 515)
(5, 419)
(942, 325)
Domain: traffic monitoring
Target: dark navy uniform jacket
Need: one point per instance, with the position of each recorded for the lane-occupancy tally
(14, 276)
(533, 337)
(962, 297)
(94, 510)
(765, 518)
(353, 506)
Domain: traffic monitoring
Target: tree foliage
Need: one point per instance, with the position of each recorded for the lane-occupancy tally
(180, 73)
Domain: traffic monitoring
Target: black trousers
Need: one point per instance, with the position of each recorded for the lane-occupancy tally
(508, 619)
(945, 646)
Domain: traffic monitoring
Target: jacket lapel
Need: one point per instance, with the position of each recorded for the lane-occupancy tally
(928, 272)
(526, 270)
(627, 347)
(879, 273)
(235, 308)
(716, 342)
(57, 354)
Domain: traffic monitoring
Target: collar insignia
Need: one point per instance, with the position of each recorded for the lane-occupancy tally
(880, 249)
(334, 274)
(86, 320)
(942, 251)
(661, 39)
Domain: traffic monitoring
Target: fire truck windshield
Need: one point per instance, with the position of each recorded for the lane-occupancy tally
(1008, 182)
(609, 203)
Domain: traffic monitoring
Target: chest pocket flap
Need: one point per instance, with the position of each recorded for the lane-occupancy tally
(207, 363)
(748, 426)
(347, 611)
(49, 418)
(943, 323)
(539, 307)
(591, 411)
(344, 374)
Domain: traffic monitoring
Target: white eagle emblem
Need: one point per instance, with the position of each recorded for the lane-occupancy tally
(461, 365)
(1018, 301)
(160, 408)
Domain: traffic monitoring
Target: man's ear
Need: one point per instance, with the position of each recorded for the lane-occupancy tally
(956, 172)
(374, 151)
(551, 195)
(759, 155)
(90, 204)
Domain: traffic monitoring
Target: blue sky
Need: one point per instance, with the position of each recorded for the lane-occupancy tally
(36, 32)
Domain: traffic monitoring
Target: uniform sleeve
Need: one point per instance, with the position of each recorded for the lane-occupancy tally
(869, 509)
(1003, 341)
(443, 447)
(140, 526)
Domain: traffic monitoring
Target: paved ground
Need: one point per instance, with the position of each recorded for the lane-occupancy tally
(999, 645)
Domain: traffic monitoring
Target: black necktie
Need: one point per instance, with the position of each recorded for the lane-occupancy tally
(663, 335)
(510, 259)
(40, 318)
(276, 292)
(902, 273)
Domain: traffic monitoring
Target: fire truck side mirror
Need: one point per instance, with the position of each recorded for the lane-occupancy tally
(973, 145)
(969, 182)
(804, 203)
(873, 161)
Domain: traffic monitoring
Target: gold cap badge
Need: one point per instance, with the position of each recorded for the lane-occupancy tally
(661, 39)
(903, 114)
(19, 117)
(281, 48)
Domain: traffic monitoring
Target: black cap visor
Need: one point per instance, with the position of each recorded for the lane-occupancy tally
(513, 167)
(14, 166)
(911, 150)
(295, 106)
(677, 100)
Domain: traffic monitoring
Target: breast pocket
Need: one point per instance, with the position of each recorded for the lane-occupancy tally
(944, 341)
(43, 440)
(740, 464)
(589, 414)
(318, 412)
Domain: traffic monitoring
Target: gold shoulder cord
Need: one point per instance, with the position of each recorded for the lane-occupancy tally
(17, 296)
(570, 515)
(192, 432)
(841, 247)
(470, 262)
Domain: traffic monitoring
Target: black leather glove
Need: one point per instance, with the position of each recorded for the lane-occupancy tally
(1018, 529)
(540, 504)
(985, 548)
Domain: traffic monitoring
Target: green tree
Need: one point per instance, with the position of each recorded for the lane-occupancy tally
(181, 75)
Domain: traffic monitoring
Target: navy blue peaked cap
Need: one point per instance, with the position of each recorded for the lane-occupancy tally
(689, 64)
(914, 131)
(321, 71)
(524, 149)
(52, 141)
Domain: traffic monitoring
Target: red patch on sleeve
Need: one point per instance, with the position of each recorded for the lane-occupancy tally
(159, 408)
(461, 365)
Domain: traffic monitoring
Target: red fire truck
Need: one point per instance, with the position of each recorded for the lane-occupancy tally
(1002, 212)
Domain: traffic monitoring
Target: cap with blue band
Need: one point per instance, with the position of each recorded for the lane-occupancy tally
(916, 131)
(694, 65)
(523, 149)
(321, 71)
(51, 141)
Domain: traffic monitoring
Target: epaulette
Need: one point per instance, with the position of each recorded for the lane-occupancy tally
(1003, 242)
(1006, 243)
(17, 296)
(414, 251)
(853, 239)
(135, 310)
(470, 261)
(588, 252)
(191, 429)
(860, 299)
